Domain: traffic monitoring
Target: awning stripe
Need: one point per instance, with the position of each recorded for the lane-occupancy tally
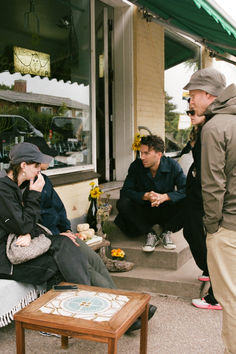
(218, 18)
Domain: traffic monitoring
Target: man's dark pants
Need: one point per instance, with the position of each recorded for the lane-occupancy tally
(136, 219)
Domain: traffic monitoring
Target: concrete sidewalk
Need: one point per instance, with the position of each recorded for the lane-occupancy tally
(176, 328)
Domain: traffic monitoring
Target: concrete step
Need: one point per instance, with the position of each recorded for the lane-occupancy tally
(160, 258)
(110, 187)
(111, 190)
(182, 282)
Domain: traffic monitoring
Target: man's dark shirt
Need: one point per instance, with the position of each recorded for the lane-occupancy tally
(53, 213)
(169, 179)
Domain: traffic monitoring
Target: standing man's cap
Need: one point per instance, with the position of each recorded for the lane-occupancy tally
(209, 80)
(27, 152)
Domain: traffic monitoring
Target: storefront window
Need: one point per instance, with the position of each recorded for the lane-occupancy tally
(45, 78)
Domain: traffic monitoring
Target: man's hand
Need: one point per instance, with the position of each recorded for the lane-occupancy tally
(23, 240)
(71, 236)
(146, 196)
(38, 184)
(156, 198)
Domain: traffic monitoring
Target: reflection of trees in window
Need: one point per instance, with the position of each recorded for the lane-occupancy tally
(176, 138)
(6, 124)
(22, 126)
(40, 120)
(5, 87)
(62, 109)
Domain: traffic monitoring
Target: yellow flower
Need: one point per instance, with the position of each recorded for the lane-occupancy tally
(136, 142)
(118, 253)
(95, 191)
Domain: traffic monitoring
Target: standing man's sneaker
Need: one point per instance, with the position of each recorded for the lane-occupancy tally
(152, 240)
(202, 304)
(167, 240)
(204, 277)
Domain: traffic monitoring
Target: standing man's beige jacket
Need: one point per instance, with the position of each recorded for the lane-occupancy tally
(219, 163)
(208, 96)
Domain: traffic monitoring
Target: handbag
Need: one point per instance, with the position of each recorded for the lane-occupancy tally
(21, 254)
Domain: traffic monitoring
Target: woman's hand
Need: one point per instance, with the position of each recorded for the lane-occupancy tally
(71, 236)
(23, 240)
(38, 184)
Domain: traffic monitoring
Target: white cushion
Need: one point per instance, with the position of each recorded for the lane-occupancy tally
(14, 296)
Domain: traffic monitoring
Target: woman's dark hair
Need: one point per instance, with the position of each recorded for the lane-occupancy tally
(16, 169)
(153, 142)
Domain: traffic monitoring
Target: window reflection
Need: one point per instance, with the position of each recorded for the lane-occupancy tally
(55, 107)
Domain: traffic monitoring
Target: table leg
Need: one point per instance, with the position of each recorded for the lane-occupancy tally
(20, 338)
(144, 331)
(112, 346)
(64, 342)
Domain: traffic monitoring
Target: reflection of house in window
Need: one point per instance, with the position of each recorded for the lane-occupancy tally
(45, 109)
(39, 102)
(68, 113)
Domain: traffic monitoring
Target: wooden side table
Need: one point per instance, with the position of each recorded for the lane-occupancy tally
(92, 313)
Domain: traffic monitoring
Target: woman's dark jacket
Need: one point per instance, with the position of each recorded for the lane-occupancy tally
(19, 214)
(53, 213)
(193, 183)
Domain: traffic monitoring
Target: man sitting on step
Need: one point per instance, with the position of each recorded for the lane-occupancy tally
(152, 193)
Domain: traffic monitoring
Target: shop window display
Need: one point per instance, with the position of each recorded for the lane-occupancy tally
(45, 78)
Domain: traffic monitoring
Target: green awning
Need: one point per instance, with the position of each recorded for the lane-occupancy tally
(197, 18)
(176, 51)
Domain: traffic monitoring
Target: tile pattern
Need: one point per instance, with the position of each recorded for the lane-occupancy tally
(88, 305)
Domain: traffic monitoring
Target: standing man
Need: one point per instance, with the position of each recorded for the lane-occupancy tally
(151, 194)
(209, 97)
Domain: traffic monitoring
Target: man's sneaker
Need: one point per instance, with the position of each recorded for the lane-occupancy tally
(202, 304)
(151, 242)
(167, 240)
(204, 277)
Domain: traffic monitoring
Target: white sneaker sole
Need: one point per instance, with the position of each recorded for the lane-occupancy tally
(170, 247)
(203, 278)
(148, 249)
(205, 306)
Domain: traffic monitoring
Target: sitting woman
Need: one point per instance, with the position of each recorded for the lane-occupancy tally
(54, 217)
(20, 213)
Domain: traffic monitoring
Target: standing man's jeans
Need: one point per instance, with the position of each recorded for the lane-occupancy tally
(221, 256)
